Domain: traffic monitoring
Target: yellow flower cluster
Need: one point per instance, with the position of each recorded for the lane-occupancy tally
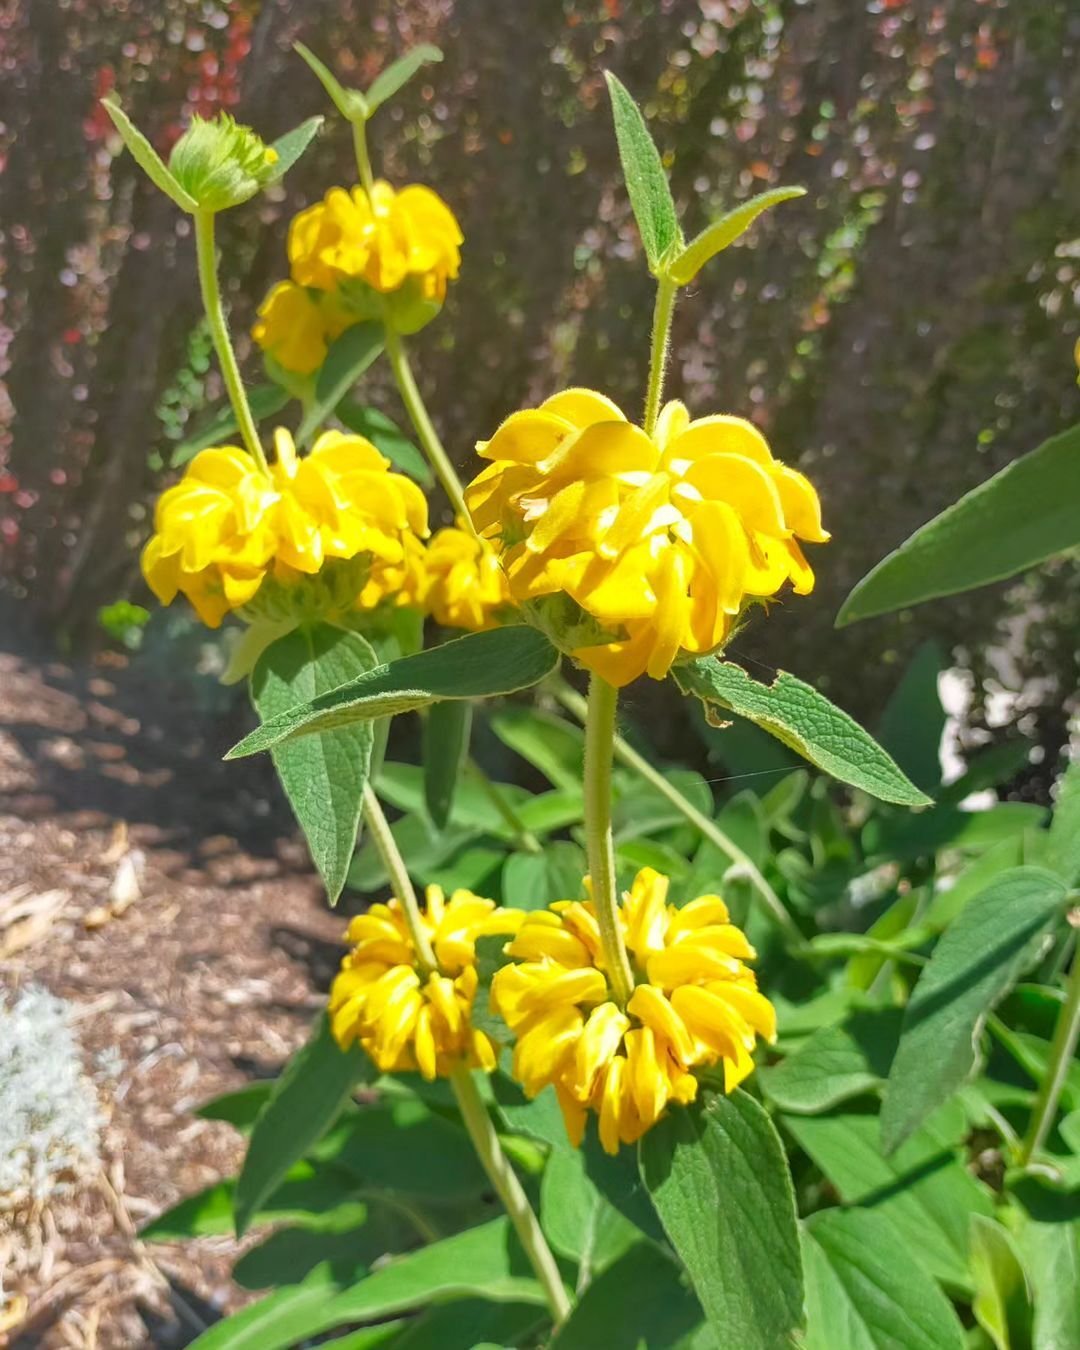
(661, 539)
(465, 585)
(227, 524)
(347, 251)
(402, 1015)
(695, 1004)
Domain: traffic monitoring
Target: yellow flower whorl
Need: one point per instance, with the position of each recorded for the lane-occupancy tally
(355, 256)
(382, 239)
(696, 1004)
(402, 1017)
(227, 524)
(661, 540)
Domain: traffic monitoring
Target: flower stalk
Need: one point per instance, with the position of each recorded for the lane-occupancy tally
(666, 290)
(1062, 1049)
(430, 443)
(600, 849)
(206, 257)
(572, 701)
(363, 159)
(400, 881)
(502, 1176)
(473, 1111)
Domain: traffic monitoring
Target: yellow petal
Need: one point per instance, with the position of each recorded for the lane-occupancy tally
(598, 1043)
(652, 1009)
(582, 407)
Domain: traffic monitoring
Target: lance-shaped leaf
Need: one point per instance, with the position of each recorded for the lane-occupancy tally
(292, 145)
(147, 157)
(303, 1103)
(980, 957)
(805, 721)
(399, 73)
(323, 776)
(348, 356)
(646, 181)
(447, 730)
(350, 103)
(1020, 517)
(723, 232)
(480, 665)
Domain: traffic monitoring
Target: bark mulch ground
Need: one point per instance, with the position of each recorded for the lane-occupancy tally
(166, 896)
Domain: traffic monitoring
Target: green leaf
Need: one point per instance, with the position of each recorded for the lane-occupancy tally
(976, 962)
(387, 437)
(399, 73)
(971, 881)
(864, 1291)
(289, 1255)
(483, 1262)
(534, 880)
(305, 1101)
(1002, 1305)
(577, 1220)
(834, 1063)
(499, 661)
(323, 776)
(447, 729)
(239, 1108)
(147, 157)
(914, 720)
(350, 103)
(646, 181)
(805, 721)
(720, 1183)
(309, 1196)
(924, 1188)
(265, 401)
(1023, 515)
(347, 357)
(292, 145)
(549, 744)
(471, 1324)
(638, 1303)
(398, 1146)
(1063, 854)
(723, 232)
(284, 1319)
(1052, 1255)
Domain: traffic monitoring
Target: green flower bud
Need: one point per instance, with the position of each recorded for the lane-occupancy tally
(220, 163)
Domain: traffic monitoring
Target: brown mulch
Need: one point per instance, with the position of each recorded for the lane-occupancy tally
(167, 897)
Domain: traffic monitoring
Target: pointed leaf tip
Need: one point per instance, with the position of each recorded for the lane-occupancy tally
(646, 181)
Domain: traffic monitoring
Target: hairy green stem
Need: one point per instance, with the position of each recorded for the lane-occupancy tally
(523, 835)
(363, 159)
(572, 701)
(425, 430)
(666, 290)
(206, 256)
(599, 746)
(1062, 1049)
(400, 881)
(503, 1177)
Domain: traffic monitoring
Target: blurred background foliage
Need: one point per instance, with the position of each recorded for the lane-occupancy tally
(900, 333)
